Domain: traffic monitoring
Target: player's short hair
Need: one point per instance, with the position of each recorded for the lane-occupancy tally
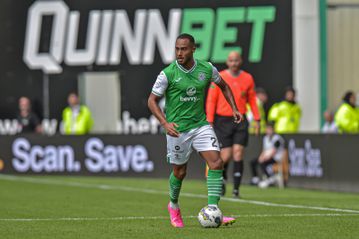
(187, 36)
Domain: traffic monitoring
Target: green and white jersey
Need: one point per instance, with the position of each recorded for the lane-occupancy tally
(185, 93)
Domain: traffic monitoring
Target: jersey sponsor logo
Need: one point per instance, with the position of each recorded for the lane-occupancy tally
(201, 76)
(112, 32)
(191, 90)
(188, 99)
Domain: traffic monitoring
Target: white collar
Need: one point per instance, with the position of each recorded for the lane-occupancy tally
(184, 69)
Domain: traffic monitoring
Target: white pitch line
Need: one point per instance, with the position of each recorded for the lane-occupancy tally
(157, 192)
(166, 217)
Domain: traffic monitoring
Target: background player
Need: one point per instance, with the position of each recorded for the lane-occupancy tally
(233, 137)
(184, 83)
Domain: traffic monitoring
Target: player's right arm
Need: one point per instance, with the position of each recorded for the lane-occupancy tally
(158, 90)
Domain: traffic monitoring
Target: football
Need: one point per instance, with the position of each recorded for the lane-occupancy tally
(210, 216)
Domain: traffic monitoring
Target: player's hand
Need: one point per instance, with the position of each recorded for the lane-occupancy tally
(211, 124)
(171, 129)
(257, 128)
(238, 117)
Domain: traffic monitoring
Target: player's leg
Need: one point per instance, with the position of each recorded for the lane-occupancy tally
(238, 166)
(266, 167)
(205, 142)
(175, 181)
(226, 155)
(178, 152)
(223, 127)
(267, 170)
(214, 181)
(214, 178)
(240, 141)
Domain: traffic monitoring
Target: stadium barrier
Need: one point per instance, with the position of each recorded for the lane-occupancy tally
(327, 162)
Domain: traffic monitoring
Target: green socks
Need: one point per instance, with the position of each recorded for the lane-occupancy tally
(214, 186)
(175, 188)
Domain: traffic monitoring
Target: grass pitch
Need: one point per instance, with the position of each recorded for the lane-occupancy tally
(92, 207)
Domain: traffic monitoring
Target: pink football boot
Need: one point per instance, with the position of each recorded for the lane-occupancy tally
(228, 221)
(176, 218)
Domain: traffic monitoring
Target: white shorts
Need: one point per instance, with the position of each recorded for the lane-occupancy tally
(200, 139)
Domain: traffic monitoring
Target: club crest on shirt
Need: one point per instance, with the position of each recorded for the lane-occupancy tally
(201, 76)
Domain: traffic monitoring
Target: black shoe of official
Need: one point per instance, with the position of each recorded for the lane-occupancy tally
(223, 188)
(235, 193)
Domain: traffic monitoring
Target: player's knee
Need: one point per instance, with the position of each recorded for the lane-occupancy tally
(237, 155)
(180, 173)
(217, 164)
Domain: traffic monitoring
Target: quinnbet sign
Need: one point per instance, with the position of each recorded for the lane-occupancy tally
(65, 38)
(110, 30)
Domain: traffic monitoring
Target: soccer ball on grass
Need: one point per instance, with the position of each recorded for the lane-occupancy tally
(210, 216)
